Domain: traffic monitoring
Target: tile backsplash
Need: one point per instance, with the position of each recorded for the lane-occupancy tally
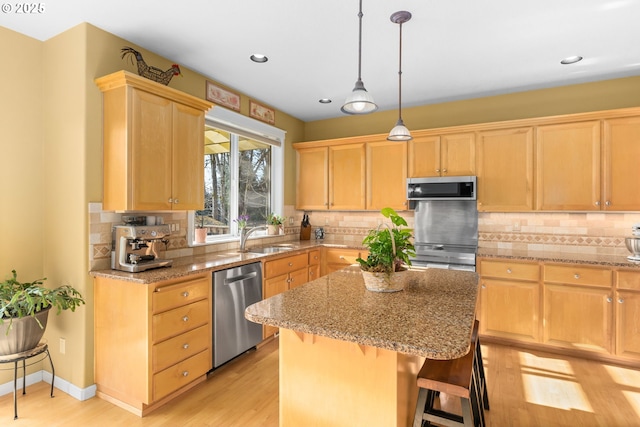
(575, 232)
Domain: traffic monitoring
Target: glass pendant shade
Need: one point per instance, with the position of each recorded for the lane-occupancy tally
(359, 101)
(399, 132)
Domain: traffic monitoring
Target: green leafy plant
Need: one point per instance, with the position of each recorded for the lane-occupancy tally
(390, 247)
(19, 299)
(274, 219)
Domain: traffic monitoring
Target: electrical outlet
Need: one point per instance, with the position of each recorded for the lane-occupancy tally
(173, 227)
(63, 345)
(516, 226)
(290, 220)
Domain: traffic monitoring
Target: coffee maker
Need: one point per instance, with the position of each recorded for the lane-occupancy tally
(140, 247)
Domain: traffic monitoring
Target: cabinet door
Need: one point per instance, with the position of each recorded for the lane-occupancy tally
(299, 277)
(274, 286)
(150, 154)
(346, 177)
(458, 154)
(505, 170)
(568, 166)
(188, 154)
(510, 309)
(314, 272)
(628, 324)
(312, 168)
(386, 175)
(578, 317)
(424, 156)
(620, 169)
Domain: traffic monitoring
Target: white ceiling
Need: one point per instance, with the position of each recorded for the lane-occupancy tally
(452, 49)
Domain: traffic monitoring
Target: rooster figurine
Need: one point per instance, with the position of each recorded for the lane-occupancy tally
(150, 72)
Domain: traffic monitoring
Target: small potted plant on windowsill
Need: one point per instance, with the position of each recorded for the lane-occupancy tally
(390, 249)
(201, 231)
(275, 224)
(24, 311)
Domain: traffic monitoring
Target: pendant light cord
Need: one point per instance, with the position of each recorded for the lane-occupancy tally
(400, 77)
(360, 42)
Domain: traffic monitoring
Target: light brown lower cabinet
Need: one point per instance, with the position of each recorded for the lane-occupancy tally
(586, 310)
(334, 259)
(152, 341)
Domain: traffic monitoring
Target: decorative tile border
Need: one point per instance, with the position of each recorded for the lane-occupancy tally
(555, 239)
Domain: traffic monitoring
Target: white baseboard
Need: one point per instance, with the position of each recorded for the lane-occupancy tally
(60, 383)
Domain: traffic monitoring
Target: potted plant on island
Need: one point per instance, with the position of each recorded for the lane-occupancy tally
(24, 310)
(274, 224)
(390, 249)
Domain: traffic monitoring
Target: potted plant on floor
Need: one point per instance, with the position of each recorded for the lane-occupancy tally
(390, 249)
(24, 310)
(275, 224)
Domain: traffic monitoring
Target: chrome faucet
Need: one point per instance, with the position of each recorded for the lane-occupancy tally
(244, 235)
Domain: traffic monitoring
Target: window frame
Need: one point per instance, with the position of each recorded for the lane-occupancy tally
(239, 124)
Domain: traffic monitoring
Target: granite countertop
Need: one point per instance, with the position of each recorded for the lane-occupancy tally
(432, 317)
(210, 262)
(561, 257)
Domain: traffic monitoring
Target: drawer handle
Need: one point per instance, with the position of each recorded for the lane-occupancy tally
(341, 257)
(185, 319)
(290, 264)
(185, 294)
(576, 276)
(509, 270)
(185, 346)
(185, 374)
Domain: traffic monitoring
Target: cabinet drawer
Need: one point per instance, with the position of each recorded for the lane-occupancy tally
(285, 265)
(510, 270)
(314, 257)
(342, 256)
(628, 280)
(179, 320)
(179, 348)
(577, 275)
(181, 293)
(181, 374)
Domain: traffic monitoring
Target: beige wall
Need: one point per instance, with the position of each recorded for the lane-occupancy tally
(603, 95)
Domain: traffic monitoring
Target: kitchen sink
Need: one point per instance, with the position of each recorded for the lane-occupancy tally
(270, 249)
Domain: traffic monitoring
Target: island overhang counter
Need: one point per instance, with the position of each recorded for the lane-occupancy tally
(349, 356)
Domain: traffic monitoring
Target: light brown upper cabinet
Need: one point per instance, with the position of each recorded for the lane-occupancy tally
(442, 155)
(568, 166)
(505, 170)
(153, 145)
(386, 175)
(362, 173)
(331, 177)
(621, 164)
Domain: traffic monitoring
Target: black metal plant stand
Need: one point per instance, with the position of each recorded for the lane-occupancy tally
(17, 357)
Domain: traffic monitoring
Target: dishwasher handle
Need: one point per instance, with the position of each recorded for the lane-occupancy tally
(230, 280)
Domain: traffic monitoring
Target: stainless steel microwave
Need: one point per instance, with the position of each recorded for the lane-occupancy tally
(442, 188)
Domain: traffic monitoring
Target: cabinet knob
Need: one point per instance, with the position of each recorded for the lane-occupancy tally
(609, 299)
(437, 170)
(620, 300)
(509, 270)
(576, 276)
(185, 374)
(170, 200)
(341, 257)
(311, 273)
(176, 201)
(185, 319)
(607, 203)
(185, 346)
(484, 286)
(597, 203)
(444, 171)
(290, 264)
(185, 294)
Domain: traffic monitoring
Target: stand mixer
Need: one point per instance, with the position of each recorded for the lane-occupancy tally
(633, 243)
(140, 247)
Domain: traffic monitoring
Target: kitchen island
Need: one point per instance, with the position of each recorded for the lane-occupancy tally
(349, 356)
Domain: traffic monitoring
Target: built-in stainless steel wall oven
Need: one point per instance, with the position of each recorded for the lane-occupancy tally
(445, 222)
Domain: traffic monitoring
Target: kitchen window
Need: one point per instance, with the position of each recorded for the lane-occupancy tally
(242, 175)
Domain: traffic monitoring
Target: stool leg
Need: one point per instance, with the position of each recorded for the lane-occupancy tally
(483, 380)
(15, 390)
(422, 401)
(24, 376)
(476, 404)
(53, 372)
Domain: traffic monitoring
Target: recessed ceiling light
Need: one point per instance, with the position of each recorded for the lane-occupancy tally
(571, 60)
(257, 57)
(324, 101)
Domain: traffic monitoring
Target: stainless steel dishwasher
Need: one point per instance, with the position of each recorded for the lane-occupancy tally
(235, 289)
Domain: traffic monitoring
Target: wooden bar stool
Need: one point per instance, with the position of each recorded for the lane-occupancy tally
(456, 377)
(479, 367)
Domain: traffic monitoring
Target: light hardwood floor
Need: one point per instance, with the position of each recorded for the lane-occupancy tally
(526, 388)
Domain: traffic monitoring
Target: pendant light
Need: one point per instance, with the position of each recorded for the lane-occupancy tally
(400, 131)
(359, 101)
